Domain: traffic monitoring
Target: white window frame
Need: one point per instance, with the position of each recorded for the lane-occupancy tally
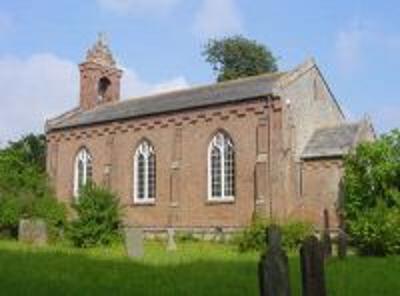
(84, 156)
(145, 149)
(226, 140)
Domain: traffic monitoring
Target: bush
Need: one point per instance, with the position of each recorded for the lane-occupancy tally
(53, 212)
(98, 218)
(14, 208)
(377, 231)
(253, 238)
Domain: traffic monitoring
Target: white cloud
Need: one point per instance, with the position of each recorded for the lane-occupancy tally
(218, 18)
(138, 6)
(44, 85)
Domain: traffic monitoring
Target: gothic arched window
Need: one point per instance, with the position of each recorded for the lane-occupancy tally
(82, 170)
(221, 168)
(144, 173)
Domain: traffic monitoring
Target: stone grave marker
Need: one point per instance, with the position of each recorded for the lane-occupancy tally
(326, 236)
(312, 267)
(342, 244)
(273, 268)
(134, 242)
(33, 231)
(171, 245)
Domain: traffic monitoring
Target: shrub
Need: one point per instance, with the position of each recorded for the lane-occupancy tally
(53, 212)
(98, 218)
(377, 231)
(14, 208)
(254, 236)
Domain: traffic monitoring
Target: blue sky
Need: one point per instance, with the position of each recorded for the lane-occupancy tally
(159, 44)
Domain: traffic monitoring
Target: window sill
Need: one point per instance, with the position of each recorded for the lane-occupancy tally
(143, 203)
(220, 201)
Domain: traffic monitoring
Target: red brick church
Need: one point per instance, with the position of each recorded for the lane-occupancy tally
(208, 157)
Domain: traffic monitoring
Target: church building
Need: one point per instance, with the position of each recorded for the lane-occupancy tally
(205, 158)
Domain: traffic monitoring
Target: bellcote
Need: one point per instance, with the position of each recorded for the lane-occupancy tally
(99, 76)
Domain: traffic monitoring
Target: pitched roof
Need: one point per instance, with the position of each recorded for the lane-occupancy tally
(331, 141)
(214, 94)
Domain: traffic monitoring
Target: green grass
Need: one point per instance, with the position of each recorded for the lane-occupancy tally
(195, 269)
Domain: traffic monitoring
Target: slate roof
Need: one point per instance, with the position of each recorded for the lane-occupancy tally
(227, 92)
(331, 141)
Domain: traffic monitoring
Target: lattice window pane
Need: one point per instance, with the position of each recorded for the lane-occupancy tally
(229, 170)
(151, 176)
(216, 176)
(140, 177)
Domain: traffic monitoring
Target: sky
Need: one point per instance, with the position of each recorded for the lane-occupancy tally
(158, 44)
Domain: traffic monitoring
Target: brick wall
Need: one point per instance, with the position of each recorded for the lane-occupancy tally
(180, 141)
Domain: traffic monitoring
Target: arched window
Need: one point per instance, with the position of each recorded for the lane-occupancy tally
(82, 170)
(144, 173)
(102, 87)
(221, 168)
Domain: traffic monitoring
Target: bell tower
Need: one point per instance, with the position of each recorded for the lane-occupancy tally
(99, 76)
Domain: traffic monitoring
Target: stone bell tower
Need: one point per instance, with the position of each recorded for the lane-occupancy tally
(100, 77)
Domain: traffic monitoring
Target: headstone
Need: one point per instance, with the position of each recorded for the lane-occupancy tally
(326, 236)
(134, 242)
(342, 244)
(312, 267)
(273, 268)
(342, 238)
(171, 245)
(33, 231)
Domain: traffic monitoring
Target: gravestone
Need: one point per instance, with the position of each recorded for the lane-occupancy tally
(312, 267)
(33, 231)
(342, 239)
(171, 245)
(326, 236)
(342, 244)
(134, 242)
(273, 268)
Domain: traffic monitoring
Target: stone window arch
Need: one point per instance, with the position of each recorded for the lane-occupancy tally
(144, 181)
(221, 168)
(83, 171)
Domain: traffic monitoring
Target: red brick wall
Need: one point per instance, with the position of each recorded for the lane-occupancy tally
(180, 141)
(321, 189)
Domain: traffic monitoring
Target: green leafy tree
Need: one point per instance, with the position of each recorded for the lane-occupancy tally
(372, 195)
(236, 57)
(24, 186)
(372, 175)
(32, 148)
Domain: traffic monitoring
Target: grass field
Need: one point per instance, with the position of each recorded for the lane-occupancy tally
(195, 269)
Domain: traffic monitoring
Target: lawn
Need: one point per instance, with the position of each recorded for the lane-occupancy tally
(195, 269)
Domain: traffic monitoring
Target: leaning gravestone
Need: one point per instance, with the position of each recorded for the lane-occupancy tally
(273, 268)
(134, 242)
(33, 231)
(171, 245)
(312, 267)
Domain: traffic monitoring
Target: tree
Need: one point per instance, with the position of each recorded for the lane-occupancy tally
(236, 57)
(372, 195)
(32, 149)
(372, 175)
